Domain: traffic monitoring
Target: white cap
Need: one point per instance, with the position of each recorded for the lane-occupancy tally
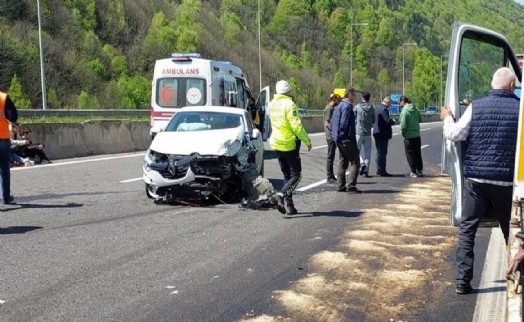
(283, 87)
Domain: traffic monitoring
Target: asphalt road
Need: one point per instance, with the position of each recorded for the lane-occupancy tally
(85, 244)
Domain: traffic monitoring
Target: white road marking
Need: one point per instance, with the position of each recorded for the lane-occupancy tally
(319, 147)
(59, 164)
(424, 146)
(2, 302)
(422, 130)
(131, 180)
(316, 134)
(491, 297)
(316, 184)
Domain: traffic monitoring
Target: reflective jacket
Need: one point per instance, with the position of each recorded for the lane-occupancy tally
(8, 113)
(286, 126)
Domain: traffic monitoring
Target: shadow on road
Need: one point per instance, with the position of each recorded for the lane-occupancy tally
(336, 213)
(17, 230)
(19, 206)
(380, 191)
(490, 290)
(270, 154)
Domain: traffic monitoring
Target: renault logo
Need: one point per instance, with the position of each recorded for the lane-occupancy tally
(171, 168)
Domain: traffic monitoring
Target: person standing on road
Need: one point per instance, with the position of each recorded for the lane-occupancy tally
(382, 133)
(285, 140)
(343, 133)
(490, 126)
(410, 120)
(334, 100)
(8, 113)
(365, 115)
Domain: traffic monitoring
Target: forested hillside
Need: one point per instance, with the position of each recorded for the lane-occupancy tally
(100, 53)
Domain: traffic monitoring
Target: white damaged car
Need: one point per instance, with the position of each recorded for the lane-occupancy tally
(204, 150)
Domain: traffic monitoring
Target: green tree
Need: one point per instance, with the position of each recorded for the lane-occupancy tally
(87, 102)
(17, 94)
(424, 88)
(53, 102)
(133, 92)
(186, 25)
(84, 12)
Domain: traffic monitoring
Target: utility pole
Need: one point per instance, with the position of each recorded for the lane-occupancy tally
(42, 69)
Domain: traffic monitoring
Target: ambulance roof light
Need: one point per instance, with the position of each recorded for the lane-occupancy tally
(184, 56)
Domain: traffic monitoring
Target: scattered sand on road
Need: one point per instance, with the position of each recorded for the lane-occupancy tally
(383, 266)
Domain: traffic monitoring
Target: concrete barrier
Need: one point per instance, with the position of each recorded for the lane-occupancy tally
(69, 140)
(66, 140)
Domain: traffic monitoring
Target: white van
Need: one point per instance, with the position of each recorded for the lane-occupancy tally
(475, 54)
(185, 79)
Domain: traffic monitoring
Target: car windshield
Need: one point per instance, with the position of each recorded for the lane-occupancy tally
(203, 121)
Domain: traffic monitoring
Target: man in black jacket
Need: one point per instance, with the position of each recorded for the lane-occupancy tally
(382, 133)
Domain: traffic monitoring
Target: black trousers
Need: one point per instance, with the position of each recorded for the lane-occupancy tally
(477, 200)
(382, 152)
(291, 167)
(414, 154)
(349, 156)
(332, 149)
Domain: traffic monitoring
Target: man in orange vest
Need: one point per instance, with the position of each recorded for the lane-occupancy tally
(8, 113)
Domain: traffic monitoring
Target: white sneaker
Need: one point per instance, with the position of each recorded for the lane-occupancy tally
(413, 175)
(29, 163)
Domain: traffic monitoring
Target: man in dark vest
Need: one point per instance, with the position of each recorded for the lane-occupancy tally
(490, 126)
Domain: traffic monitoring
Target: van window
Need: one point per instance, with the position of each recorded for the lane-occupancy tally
(180, 92)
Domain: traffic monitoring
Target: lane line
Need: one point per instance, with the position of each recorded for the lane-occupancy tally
(424, 146)
(491, 298)
(58, 164)
(131, 180)
(2, 302)
(313, 185)
(319, 147)
(422, 130)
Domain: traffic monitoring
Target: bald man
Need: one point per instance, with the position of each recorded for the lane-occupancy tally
(490, 126)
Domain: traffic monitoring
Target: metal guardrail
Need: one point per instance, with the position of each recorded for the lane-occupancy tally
(107, 113)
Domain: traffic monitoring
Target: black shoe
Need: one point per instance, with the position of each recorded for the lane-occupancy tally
(291, 210)
(331, 180)
(363, 170)
(367, 175)
(280, 203)
(463, 288)
(9, 200)
(353, 190)
(385, 174)
(343, 189)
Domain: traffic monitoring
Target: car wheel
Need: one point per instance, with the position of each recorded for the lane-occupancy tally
(147, 193)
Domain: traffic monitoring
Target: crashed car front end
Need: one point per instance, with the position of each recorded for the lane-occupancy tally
(220, 175)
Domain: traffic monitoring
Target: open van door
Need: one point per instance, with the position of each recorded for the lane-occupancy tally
(263, 111)
(475, 54)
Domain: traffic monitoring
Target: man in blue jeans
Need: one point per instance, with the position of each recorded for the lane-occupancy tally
(382, 133)
(8, 113)
(490, 126)
(344, 134)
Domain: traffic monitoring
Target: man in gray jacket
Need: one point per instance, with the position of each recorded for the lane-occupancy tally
(365, 118)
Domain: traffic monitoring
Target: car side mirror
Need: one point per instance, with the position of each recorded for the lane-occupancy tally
(256, 134)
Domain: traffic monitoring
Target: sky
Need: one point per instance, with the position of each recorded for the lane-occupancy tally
(520, 1)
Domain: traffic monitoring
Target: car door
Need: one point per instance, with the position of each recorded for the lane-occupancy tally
(475, 54)
(263, 110)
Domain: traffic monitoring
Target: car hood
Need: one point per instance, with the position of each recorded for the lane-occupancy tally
(214, 142)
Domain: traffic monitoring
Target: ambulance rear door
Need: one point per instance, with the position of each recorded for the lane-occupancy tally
(263, 111)
(177, 82)
(475, 54)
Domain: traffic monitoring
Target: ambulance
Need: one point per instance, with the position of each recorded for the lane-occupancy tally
(185, 79)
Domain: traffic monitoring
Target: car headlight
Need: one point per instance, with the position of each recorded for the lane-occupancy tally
(230, 148)
(148, 160)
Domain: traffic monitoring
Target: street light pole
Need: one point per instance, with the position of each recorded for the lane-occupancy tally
(42, 71)
(259, 54)
(351, 50)
(403, 64)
